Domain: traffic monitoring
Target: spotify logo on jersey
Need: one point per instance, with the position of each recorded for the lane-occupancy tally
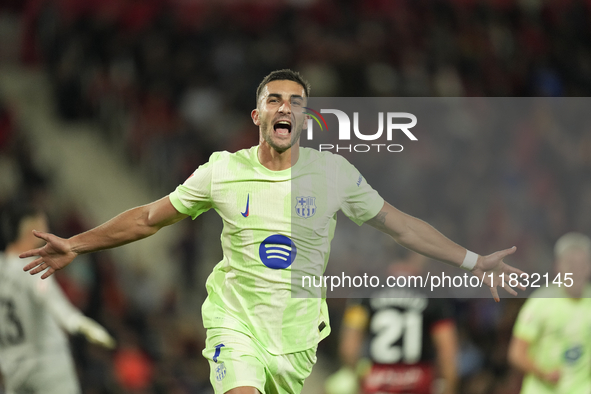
(277, 251)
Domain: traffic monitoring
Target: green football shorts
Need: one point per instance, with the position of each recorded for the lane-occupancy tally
(238, 360)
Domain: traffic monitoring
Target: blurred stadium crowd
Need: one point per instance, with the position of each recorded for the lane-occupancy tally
(170, 81)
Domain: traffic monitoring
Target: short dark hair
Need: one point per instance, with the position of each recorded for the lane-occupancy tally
(282, 75)
(11, 218)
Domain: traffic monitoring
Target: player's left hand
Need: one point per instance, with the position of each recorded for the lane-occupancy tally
(493, 264)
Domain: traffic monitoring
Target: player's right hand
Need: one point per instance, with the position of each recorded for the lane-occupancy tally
(55, 255)
(492, 269)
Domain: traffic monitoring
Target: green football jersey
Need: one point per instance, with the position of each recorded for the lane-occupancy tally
(277, 227)
(558, 329)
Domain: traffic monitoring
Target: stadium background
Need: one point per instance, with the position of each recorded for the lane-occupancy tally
(109, 104)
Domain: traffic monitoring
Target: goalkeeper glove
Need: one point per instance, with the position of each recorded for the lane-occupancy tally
(94, 332)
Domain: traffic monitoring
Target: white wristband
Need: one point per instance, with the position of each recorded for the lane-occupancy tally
(469, 261)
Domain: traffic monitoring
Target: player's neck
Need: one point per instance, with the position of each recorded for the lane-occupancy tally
(278, 161)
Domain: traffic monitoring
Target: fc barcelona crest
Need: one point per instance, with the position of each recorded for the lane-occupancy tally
(220, 372)
(305, 206)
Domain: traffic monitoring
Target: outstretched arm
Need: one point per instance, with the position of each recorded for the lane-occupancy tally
(421, 237)
(132, 225)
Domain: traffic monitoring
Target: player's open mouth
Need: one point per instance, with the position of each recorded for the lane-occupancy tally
(283, 127)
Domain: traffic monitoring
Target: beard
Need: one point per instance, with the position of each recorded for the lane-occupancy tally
(280, 145)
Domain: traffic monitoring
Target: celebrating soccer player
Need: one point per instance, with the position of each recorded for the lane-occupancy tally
(259, 338)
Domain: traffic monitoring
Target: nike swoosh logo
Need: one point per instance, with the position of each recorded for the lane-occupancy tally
(245, 213)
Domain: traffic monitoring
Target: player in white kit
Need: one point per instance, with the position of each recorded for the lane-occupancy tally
(34, 349)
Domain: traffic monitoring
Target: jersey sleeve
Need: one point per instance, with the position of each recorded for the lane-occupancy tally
(439, 310)
(48, 293)
(529, 321)
(359, 201)
(194, 196)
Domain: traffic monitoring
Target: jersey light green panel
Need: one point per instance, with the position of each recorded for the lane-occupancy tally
(266, 243)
